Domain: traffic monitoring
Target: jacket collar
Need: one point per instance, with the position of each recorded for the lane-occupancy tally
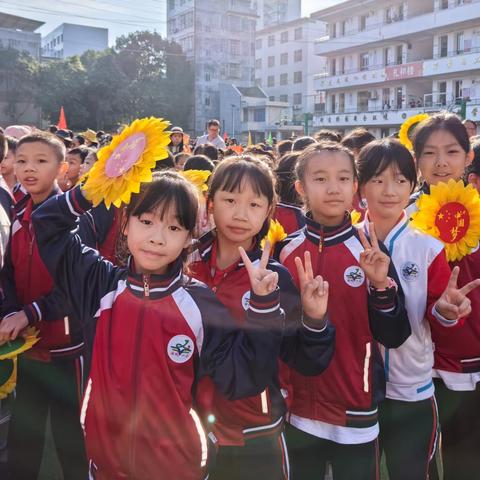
(396, 232)
(25, 207)
(155, 286)
(328, 236)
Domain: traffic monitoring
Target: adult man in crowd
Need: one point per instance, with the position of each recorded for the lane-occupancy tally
(212, 136)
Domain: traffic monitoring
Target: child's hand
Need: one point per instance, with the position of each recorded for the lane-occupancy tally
(262, 280)
(373, 261)
(314, 290)
(454, 303)
(12, 326)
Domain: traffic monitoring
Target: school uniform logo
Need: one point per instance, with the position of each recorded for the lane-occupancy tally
(246, 300)
(410, 271)
(354, 276)
(180, 348)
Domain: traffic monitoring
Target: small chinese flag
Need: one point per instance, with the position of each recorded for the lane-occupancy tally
(62, 121)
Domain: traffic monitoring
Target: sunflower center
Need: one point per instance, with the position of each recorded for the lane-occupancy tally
(125, 155)
(452, 221)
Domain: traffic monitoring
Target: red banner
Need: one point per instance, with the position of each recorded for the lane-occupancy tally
(408, 70)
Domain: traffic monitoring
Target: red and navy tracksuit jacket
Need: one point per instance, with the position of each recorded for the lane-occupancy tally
(28, 286)
(155, 336)
(306, 350)
(291, 217)
(348, 392)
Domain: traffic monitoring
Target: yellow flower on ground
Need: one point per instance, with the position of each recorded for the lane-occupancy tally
(451, 213)
(199, 178)
(406, 130)
(275, 234)
(127, 162)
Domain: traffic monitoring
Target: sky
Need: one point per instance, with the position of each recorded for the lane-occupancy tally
(119, 16)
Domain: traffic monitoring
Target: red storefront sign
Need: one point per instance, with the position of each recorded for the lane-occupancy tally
(409, 70)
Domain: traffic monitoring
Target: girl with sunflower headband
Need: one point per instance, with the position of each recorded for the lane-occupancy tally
(442, 151)
(249, 432)
(408, 416)
(157, 330)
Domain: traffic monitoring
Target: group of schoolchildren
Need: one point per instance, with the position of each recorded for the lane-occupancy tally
(165, 353)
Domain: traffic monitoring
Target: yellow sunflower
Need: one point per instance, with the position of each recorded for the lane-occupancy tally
(8, 376)
(406, 130)
(355, 216)
(275, 234)
(198, 178)
(127, 162)
(20, 344)
(451, 213)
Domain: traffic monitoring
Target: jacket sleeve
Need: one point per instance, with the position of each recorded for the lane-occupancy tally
(241, 362)
(50, 307)
(387, 314)
(307, 350)
(78, 271)
(10, 303)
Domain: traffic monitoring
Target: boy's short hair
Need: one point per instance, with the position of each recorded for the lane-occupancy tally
(47, 139)
(357, 139)
(81, 151)
(213, 123)
(3, 146)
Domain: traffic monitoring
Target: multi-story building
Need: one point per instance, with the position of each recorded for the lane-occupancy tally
(275, 12)
(390, 59)
(285, 65)
(19, 33)
(68, 40)
(218, 37)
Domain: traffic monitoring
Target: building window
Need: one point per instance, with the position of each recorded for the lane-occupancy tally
(444, 46)
(235, 46)
(271, 40)
(297, 77)
(271, 98)
(234, 70)
(459, 42)
(297, 98)
(258, 81)
(258, 63)
(271, 61)
(284, 59)
(298, 34)
(207, 101)
(284, 98)
(342, 28)
(298, 56)
(284, 79)
(363, 61)
(443, 4)
(171, 4)
(270, 81)
(333, 30)
(207, 76)
(342, 66)
(259, 115)
(258, 43)
(284, 37)
(363, 23)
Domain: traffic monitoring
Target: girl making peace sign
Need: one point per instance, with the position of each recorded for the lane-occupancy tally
(249, 434)
(334, 416)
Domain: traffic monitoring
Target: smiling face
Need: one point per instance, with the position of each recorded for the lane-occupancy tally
(239, 215)
(387, 194)
(328, 187)
(36, 167)
(156, 240)
(442, 158)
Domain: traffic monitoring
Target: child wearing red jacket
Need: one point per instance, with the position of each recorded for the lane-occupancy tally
(49, 375)
(157, 332)
(334, 416)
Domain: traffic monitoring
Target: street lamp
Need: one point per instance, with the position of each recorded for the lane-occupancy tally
(233, 120)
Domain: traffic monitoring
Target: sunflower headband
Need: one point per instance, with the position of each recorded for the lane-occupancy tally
(408, 127)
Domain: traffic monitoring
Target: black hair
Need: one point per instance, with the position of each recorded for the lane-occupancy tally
(213, 123)
(302, 143)
(283, 147)
(81, 151)
(474, 167)
(378, 155)
(52, 128)
(12, 143)
(357, 139)
(329, 135)
(47, 139)
(440, 121)
(231, 174)
(199, 162)
(3, 146)
(179, 155)
(80, 139)
(166, 164)
(208, 150)
(317, 149)
(285, 172)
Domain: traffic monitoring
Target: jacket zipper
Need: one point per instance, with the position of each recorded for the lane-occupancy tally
(135, 373)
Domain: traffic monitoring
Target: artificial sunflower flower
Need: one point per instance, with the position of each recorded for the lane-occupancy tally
(198, 178)
(127, 162)
(20, 344)
(8, 376)
(451, 213)
(355, 216)
(407, 128)
(275, 234)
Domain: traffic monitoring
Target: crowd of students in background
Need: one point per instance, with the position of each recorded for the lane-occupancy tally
(175, 342)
